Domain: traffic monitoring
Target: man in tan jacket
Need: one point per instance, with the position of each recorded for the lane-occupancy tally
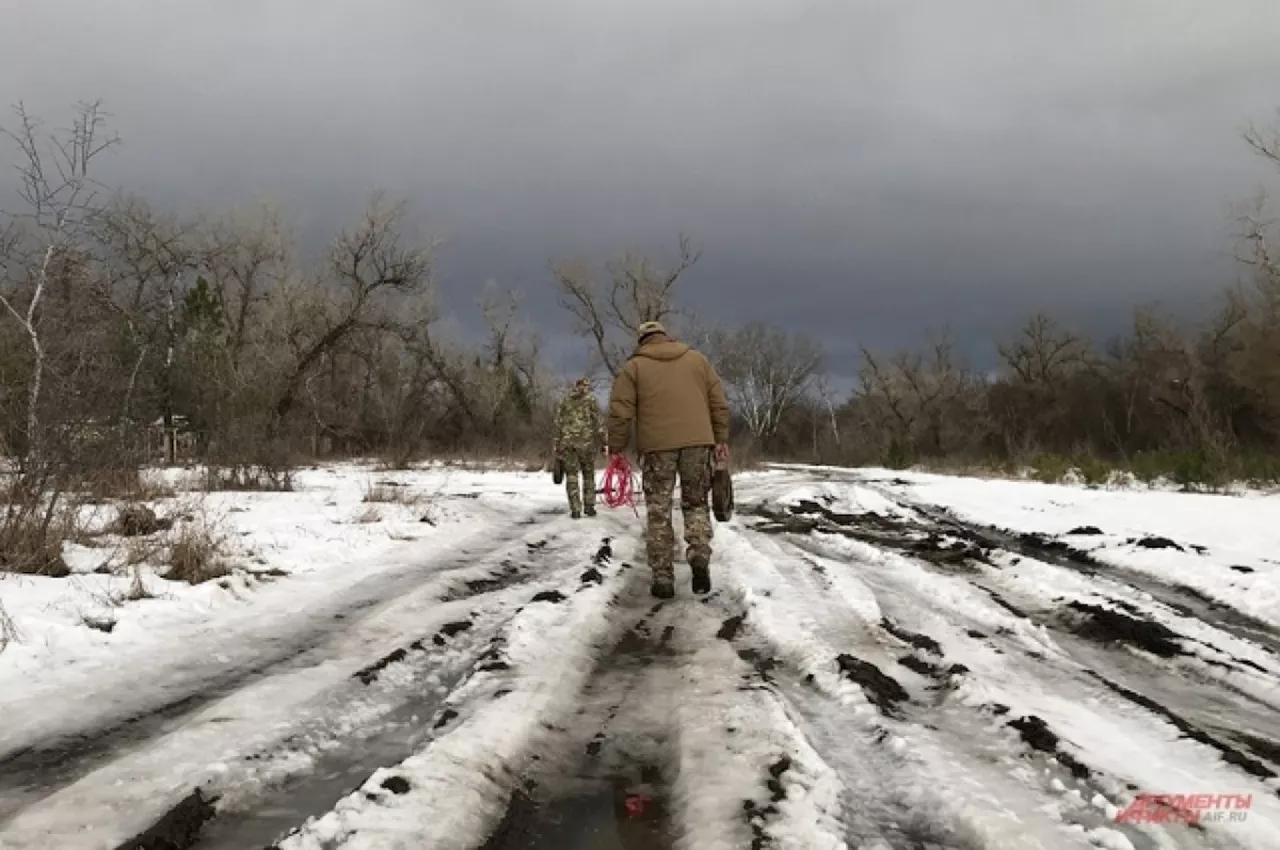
(675, 399)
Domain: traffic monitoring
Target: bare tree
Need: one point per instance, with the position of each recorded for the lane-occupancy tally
(1044, 352)
(157, 257)
(827, 398)
(367, 264)
(766, 372)
(637, 292)
(61, 202)
(246, 255)
(1265, 142)
(921, 402)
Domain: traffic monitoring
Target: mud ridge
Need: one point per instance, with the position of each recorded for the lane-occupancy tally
(1229, 754)
(1185, 600)
(731, 627)
(884, 692)
(1037, 735)
(874, 529)
(1005, 604)
(509, 576)
(179, 828)
(1107, 625)
(759, 814)
(1261, 747)
(919, 641)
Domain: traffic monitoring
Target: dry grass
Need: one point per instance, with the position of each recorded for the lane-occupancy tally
(127, 484)
(137, 588)
(31, 546)
(248, 479)
(138, 551)
(391, 493)
(8, 629)
(524, 461)
(368, 515)
(196, 552)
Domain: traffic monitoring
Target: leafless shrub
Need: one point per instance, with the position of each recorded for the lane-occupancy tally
(196, 553)
(112, 484)
(8, 629)
(142, 550)
(248, 478)
(139, 520)
(368, 515)
(31, 540)
(391, 493)
(137, 586)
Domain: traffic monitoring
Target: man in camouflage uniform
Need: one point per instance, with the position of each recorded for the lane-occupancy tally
(676, 401)
(579, 438)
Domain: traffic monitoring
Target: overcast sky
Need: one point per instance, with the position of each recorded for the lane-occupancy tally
(857, 170)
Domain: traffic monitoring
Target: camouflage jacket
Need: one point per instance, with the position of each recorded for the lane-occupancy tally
(579, 422)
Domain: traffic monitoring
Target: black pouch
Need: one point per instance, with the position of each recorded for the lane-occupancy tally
(557, 470)
(722, 493)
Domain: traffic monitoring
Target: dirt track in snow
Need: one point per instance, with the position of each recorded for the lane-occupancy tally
(882, 680)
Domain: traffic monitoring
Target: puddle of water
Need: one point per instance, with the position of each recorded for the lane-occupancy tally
(600, 819)
(335, 775)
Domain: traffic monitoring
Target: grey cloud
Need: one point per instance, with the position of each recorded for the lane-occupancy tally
(860, 170)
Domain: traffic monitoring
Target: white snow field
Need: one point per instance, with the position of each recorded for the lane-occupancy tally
(887, 660)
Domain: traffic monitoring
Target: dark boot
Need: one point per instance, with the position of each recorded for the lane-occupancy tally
(575, 514)
(590, 510)
(663, 589)
(701, 575)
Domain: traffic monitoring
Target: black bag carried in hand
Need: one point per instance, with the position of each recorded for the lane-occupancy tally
(557, 470)
(722, 492)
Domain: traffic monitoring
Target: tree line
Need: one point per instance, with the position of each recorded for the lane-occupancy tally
(130, 334)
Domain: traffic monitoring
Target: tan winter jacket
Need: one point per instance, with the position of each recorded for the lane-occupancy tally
(672, 394)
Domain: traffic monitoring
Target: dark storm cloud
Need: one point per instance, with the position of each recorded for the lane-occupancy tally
(858, 170)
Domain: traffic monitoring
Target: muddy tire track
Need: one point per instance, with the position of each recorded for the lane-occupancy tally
(40, 771)
(901, 706)
(1109, 629)
(874, 814)
(606, 769)
(510, 666)
(415, 725)
(1185, 600)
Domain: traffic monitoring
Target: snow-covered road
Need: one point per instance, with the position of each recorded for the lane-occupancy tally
(887, 661)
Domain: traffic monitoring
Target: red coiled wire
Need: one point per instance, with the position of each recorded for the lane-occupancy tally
(618, 486)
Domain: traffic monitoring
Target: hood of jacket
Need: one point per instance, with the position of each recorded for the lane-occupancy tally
(662, 347)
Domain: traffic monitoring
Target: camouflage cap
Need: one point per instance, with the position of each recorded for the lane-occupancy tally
(583, 383)
(650, 328)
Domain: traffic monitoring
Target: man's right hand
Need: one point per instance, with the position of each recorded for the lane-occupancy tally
(722, 453)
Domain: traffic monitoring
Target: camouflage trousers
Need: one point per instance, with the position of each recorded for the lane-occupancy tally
(580, 461)
(661, 469)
